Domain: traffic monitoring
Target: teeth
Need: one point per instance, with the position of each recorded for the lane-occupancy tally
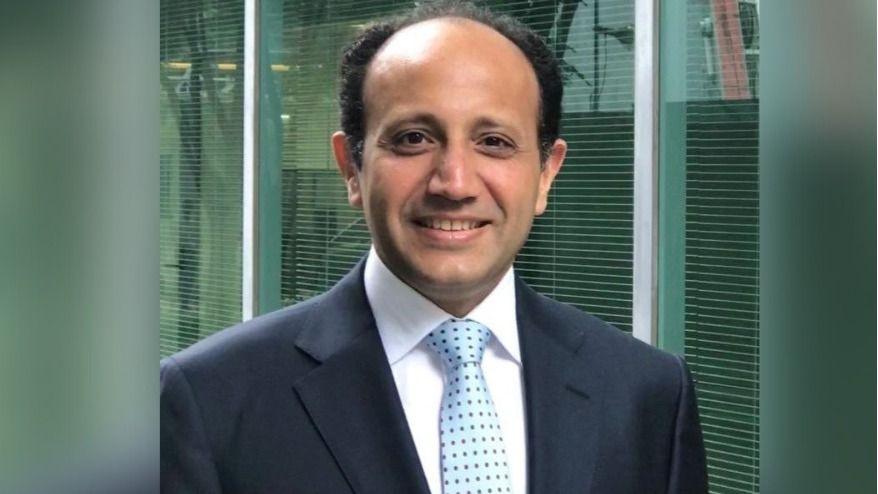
(450, 225)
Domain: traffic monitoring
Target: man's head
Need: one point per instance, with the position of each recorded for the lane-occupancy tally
(359, 54)
(452, 164)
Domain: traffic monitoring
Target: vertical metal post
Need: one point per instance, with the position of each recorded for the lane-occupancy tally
(644, 317)
(250, 223)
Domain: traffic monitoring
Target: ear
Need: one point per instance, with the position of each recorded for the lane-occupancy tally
(547, 175)
(348, 168)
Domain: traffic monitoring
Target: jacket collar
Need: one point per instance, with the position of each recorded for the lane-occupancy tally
(351, 397)
(563, 394)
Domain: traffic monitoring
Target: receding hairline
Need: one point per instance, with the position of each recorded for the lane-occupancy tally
(359, 55)
(453, 20)
(457, 21)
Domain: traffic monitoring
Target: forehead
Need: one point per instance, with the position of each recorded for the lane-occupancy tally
(447, 58)
(423, 40)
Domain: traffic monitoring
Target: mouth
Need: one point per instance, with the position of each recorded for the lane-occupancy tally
(450, 225)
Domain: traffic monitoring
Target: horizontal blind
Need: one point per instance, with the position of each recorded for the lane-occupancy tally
(722, 242)
(322, 236)
(578, 252)
(201, 140)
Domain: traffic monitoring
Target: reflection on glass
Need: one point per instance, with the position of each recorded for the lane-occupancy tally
(579, 251)
(201, 152)
(709, 221)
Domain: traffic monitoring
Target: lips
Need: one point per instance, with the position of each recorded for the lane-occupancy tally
(450, 225)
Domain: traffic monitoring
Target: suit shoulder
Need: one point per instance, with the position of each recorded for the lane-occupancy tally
(246, 346)
(627, 353)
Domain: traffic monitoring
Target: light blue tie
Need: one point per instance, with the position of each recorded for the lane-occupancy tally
(473, 455)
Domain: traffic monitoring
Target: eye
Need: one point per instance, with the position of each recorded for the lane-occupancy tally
(413, 138)
(412, 142)
(494, 141)
(497, 146)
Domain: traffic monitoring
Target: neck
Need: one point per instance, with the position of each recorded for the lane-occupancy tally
(459, 302)
(458, 309)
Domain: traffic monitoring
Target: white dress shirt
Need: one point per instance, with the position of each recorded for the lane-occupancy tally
(404, 317)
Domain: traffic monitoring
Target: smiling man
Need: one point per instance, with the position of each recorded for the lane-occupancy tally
(432, 367)
(451, 173)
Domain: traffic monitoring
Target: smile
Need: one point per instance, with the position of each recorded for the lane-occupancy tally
(447, 225)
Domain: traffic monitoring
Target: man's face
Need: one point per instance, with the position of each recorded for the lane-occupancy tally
(451, 177)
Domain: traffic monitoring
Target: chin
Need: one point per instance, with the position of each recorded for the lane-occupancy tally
(454, 282)
(443, 280)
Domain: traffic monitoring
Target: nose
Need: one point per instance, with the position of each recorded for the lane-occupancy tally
(455, 175)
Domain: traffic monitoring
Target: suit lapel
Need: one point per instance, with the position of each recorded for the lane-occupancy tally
(351, 397)
(563, 395)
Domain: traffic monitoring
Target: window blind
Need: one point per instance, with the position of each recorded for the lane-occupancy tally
(201, 172)
(721, 230)
(322, 237)
(579, 251)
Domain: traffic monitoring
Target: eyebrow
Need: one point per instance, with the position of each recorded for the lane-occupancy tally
(483, 122)
(435, 124)
(426, 119)
(512, 131)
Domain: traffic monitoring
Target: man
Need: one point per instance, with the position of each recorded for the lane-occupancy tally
(431, 367)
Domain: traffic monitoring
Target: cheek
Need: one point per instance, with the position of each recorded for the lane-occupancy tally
(520, 195)
(396, 189)
(379, 206)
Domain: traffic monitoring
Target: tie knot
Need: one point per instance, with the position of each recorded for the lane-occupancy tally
(459, 341)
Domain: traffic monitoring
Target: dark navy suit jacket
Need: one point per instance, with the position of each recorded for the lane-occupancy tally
(303, 401)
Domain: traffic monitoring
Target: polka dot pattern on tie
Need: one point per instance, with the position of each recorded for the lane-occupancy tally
(472, 453)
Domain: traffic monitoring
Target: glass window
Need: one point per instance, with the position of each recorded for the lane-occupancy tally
(579, 251)
(709, 230)
(201, 78)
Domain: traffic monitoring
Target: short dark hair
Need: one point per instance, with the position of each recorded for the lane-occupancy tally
(357, 56)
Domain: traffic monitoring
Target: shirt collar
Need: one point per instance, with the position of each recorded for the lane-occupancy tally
(404, 316)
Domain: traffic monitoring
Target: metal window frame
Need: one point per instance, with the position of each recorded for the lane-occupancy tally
(250, 220)
(646, 91)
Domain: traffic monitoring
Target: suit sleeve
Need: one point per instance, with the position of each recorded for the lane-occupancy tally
(186, 462)
(688, 472)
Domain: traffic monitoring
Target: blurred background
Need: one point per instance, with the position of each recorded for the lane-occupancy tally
(751, 184)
